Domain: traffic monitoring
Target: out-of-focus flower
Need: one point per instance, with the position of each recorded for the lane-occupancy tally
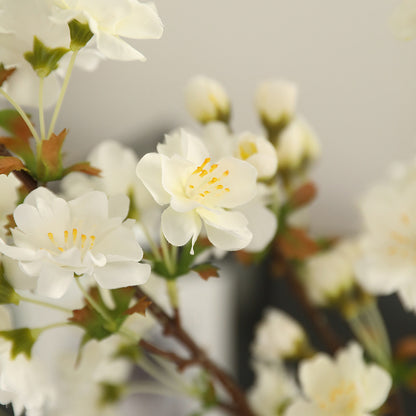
(275, 101)
(8, 191)
(403, 20)
(388, 262)
(273, 390)
(20, 21)
(55, 239)
(118, 176)
(207, 100)
(297, 145)
(329, 275)
(278, 336)
(343, 386)
(199, 191)
(109, 20)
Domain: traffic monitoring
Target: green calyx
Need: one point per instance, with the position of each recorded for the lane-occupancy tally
(80, 34)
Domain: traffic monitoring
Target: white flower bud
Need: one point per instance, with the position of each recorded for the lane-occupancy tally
(207, 100)
(275, 101)
(329, 275)
(278, 336)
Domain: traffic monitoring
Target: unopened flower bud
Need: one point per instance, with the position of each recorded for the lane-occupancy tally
(279, 336)
(207, 100)
(275, 101)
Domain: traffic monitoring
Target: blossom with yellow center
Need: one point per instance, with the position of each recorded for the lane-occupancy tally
(344, 386)
(198, 192)
(55, 240)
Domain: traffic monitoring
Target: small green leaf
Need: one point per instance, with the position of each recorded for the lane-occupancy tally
(110, 393)
(80, 34)
(22, 340)
(7, 293)
(44, 60)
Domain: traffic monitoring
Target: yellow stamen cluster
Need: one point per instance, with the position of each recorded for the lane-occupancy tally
(81, 242)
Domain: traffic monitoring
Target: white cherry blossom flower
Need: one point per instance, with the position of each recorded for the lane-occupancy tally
(403, 20)
(276, 101)
(388, 263)
(110, 20)
(207, 100)
(198, 192)
(272, 391)
(20, 21)
(344, 386)
(278, 336)
(55, 239)
(330, 274)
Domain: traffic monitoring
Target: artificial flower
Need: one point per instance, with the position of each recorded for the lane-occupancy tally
(275, 101)
(344, 386)
(388, 263)
(273, 390)
(278, 336)
(110, 20)
(55, 239)
(329, 275)
(207, 100)
(9, 194)
(199, 191)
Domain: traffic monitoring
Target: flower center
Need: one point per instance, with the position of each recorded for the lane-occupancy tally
(247, 149)
(401, 244)
(205, 183)
(343, 399)
(72, 238)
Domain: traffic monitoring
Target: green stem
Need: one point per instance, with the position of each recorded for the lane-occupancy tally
(151, 242)
(38, 331)
(41, 112)
(173, 293)
(62, 94)
(21, 113)
(93, 303)
(166, 255)
(45, 304)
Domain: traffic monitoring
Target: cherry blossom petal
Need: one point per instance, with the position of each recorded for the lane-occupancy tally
(122, 274)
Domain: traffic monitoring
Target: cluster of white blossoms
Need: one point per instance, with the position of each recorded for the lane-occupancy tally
(108, 21)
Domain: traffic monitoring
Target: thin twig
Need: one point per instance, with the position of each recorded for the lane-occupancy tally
(173, 328)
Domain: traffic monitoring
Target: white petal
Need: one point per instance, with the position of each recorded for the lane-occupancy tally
(142, 23)
(53, 281)
(377, 383)
(302, 408)
(174, 173)
(118, 206)
(90, 206)
(180, 227)
(18, 253)
(225, 229)
(149, 170)
(115, 48)
(116, 275)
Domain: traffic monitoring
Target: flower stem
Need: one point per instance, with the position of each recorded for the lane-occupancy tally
(38, 331)
(62, 94)
(21, 113)
(151, 242)
(93, 303)
(166, 255)
(45, 304)
(41, 112)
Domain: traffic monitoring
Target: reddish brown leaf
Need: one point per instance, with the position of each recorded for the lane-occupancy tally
(406, 348)
(295, 244)
(5, 73)
(140, 307)
(82, 316)
(17, 145)
(206, 270)
(244, 257)
(303, 195)
(83, 167)
(9, 164)
(51, 151)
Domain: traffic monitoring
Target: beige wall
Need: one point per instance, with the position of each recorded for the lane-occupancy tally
(357, 84)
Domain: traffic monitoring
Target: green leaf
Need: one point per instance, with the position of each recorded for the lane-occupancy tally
(7, 293)
(110, 393)
(44, 60)
(22, 340)
(80, 34)
(12, 122)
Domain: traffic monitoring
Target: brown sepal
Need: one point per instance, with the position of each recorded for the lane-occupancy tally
(305, 194)
(10, 224)
(5, 73)
(295, 244)
(83, 167)
(10, 164)
(140, 307)
(406, 348)
(206, 271)
(51, 150)
(83, 315)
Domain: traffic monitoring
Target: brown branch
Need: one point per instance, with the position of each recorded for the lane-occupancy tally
(198, 356)
(27, 180)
